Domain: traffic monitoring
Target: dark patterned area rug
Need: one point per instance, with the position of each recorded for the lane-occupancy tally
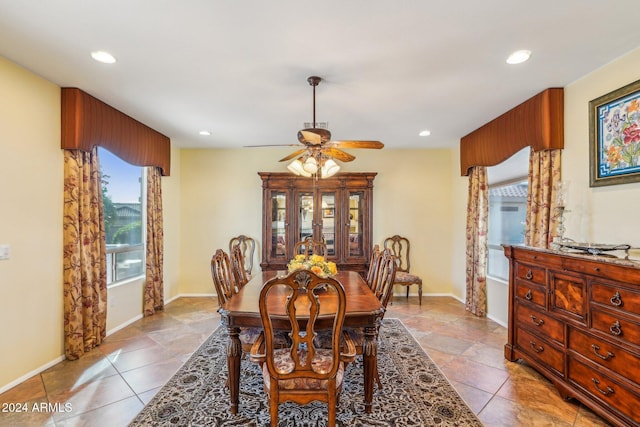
(415, 392)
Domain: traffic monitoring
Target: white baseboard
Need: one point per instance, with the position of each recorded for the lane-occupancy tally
(30, 374)
(125, 324)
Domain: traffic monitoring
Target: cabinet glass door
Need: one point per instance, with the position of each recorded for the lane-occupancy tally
(328, 222)
(355, 247)
(305, 216)
(278, 224)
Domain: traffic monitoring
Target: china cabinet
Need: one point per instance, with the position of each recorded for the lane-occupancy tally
(576, 319)
(336, 210)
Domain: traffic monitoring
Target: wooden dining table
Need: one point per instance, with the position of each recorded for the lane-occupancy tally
(363, 310)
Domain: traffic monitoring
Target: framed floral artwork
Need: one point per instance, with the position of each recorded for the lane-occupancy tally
(614, 137)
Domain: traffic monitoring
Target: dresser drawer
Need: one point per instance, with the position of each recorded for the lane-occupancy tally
(603, 270)
(616, 297)
(606, 354)
(543, 324)
(531, 293)
(532, 274)
(615, 395)
(540, 349)
(616, 326)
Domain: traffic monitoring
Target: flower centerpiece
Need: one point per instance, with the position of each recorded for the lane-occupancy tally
(314, 263)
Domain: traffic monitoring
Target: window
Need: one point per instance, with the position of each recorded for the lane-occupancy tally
(122, 194)
(507, 217)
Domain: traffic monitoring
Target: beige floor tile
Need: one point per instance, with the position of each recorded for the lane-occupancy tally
(110, 385)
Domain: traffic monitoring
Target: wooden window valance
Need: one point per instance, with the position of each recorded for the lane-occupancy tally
(537, 123)
(87, 122)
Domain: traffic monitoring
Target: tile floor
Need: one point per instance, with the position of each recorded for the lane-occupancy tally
(109, 386)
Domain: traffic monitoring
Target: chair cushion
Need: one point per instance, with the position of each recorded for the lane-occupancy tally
(323, 339)
(321, 363)
(249, 335)
(407, 278)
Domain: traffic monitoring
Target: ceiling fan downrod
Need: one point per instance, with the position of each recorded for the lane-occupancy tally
(314, 81)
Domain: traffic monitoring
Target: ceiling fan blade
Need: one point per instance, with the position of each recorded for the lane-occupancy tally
(355, 144)
(293, 155)
(338, 154)
(271, 145)
(314, 136)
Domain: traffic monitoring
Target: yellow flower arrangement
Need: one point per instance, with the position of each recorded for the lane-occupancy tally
(314, 263)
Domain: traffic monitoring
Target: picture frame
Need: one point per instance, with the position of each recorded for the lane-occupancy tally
(328, 213)
(614, 137)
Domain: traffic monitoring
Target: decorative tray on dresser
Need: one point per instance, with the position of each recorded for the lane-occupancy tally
(575, 318)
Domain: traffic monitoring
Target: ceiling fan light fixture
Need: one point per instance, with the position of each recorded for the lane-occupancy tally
(296, 168)
(518, 57)
(329, 168)
(310, 165)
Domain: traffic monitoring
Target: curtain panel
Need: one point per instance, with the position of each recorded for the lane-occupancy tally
(153, 299)
(542, 213)
(84, 254)
(477, 246)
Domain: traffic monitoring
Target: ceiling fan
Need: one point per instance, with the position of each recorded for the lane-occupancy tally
(319, 150)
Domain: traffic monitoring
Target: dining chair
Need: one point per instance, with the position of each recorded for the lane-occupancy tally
(400, 247)
(248, 247)
(303, 372)
(226, 286)
(382, 287)
(310, 247)
(237, 266)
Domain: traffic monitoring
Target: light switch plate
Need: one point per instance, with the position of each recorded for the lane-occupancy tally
(4, 251)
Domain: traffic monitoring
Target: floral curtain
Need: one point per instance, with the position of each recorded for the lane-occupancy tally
(153, 299)
(477, 246)
(542, 215)
(84, 254)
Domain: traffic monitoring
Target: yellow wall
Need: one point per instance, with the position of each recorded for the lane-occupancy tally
(31, 189)
(31, 173)
(213, 195)
(603, 214)
(221, 196)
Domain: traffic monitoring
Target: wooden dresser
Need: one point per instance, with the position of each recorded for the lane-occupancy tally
(576, 319)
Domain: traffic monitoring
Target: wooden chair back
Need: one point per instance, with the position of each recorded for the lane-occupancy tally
(222, 276)
(247, 247)
(309, 373)
(237, 266)
(310, 247)
(384, 277)
(399, 247)
(373, 264)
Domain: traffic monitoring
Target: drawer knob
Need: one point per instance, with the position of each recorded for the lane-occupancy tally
(606, 392)
(538, 322)
(616, 300)
(615, 329)
(536, 349)
(529, 275)
(528, 295)
(597, 348)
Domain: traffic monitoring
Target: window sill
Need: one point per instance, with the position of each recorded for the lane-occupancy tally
(127, 281)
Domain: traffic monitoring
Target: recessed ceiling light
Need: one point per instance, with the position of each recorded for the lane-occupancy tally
(102, 56)
(425, 133)
(205, 133)
(518, 56)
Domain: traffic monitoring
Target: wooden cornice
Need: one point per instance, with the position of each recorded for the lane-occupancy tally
(537, 123)
(87, 122)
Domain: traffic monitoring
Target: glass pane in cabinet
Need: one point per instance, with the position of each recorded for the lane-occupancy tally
(328, 222)
(305, 216)
(356, 221)
(278, 224)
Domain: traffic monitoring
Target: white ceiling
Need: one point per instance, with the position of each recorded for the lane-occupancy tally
(391, 68)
